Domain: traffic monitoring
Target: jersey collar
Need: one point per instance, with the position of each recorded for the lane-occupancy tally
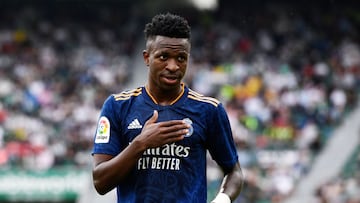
(171, 103)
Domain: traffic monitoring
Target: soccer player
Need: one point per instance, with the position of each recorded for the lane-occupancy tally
(151, 142)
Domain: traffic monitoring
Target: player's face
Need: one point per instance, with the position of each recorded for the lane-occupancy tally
(167, 59)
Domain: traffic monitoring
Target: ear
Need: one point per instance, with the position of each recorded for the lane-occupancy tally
(146, 57)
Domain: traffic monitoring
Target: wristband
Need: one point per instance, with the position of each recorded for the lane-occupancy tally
(221, 198)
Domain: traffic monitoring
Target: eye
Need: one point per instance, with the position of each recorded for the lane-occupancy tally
(163, 57)
(181, 58)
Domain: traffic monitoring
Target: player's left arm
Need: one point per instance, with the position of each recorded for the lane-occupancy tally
(223, 150)
(231, 185)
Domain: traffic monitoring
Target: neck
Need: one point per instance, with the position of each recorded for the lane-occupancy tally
(165, 97)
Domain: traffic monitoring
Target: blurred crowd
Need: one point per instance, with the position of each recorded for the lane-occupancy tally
(340, 190)
(344, 188)
(287, 77)
(56, 69)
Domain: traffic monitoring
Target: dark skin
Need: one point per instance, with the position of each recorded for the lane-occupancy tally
(167, 59)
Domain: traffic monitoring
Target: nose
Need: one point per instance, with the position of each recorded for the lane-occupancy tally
(172, 65)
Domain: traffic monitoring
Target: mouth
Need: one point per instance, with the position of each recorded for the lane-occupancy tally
(170, 79)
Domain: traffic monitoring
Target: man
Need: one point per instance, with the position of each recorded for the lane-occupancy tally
(151, 141)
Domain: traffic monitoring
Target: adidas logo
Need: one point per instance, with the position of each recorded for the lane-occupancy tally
(135, 124)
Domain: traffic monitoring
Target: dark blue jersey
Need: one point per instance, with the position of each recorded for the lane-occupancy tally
(175, 172)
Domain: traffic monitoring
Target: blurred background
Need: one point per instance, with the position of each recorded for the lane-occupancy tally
(288, 73)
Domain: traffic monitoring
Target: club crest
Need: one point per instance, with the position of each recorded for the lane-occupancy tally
(191, 129)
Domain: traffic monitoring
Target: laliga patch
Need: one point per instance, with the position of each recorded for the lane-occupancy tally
(103, 130)
(191, 129)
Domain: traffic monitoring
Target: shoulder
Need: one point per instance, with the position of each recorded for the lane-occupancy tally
(122, 99)
(193, 95)
(127, 94)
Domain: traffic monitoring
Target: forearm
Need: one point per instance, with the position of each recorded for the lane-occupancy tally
(232, 183)
(108, 174)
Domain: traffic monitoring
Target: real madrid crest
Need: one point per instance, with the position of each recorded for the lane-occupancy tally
(191, 129)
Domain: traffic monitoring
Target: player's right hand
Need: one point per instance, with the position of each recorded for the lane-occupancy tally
(155, 134)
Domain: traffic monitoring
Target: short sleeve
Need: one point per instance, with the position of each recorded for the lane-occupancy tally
(220, 142)
(107, 133)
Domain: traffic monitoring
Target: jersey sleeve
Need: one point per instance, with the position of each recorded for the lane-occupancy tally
(220, 141)
(107, 134)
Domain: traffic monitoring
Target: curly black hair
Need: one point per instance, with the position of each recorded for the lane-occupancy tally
(168, 25)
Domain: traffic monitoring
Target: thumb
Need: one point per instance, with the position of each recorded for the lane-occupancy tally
(153, 118)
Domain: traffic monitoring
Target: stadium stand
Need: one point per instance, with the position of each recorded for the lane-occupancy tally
(350, 178)
(346, 187)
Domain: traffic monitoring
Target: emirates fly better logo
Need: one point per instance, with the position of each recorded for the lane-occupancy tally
(166, 157)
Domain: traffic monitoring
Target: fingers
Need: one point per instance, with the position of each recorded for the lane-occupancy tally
(173, 136)
(172, 128)
(153, 118)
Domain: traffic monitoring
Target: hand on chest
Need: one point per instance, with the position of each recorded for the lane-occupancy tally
(135, 122)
